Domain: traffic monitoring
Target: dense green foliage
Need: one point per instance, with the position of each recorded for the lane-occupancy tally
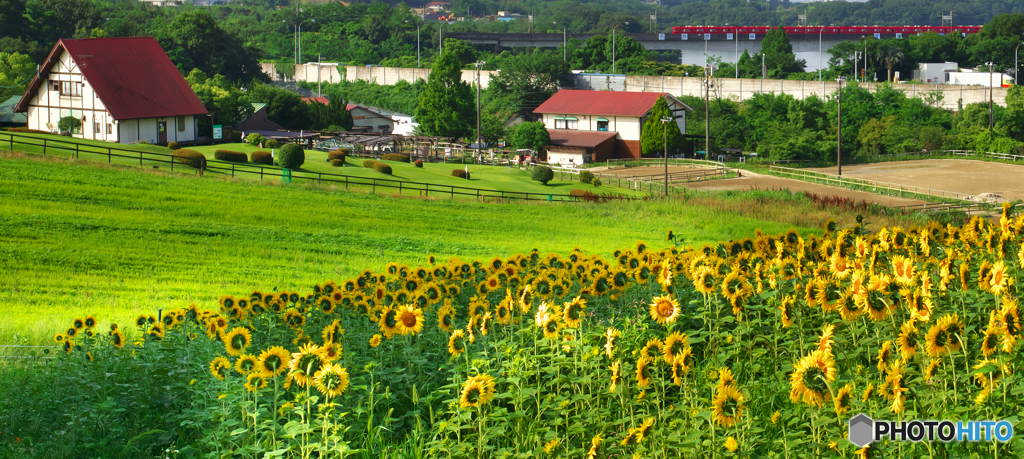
(16, 70)
(378, 166)
(262, 157)
(290, 156)
(446, 102)
(231, 156)
(657, 134)
(190, 157)
(69, 124)
(395, 157)
(542, 174)
(529, 135)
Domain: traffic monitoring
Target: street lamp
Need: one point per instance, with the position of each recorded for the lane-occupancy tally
(417, 43)
(478, 64)
(839, 130)
(707, 110)
(299, 56)
(1016, 67)
(613, 47)
(991, 121)
(664, 125)
(820, 30)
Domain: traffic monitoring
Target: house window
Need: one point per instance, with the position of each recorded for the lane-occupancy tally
(566, 123)
(602, 124)
(71, 88)
(110, 128)
(96, 127)
(181, 124)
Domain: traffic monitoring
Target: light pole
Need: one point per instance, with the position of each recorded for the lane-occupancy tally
(664, 125)
(707, 111)
(613, 47)
(478, 64)
(736, 41)
(991, 120)
(839, 130)
(300, 39)
(856, 62)
(1016, 67)
(819, 52)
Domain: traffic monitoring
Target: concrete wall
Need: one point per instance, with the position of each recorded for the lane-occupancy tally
(729, 88)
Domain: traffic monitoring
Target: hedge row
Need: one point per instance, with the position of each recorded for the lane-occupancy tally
(379, 166)
(28, 131)
(337, 162)
(190, 157)
(232, 156)
(337, 154)
(395, 157)
(460, 173)
(262, 157)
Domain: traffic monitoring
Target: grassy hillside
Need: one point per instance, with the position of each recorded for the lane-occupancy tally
(78, 238)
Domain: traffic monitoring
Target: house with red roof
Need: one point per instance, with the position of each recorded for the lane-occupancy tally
(123, 90)
(593, 126)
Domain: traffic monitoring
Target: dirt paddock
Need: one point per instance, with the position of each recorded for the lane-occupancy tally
(958, 175)
(646, 170)
(764, 182)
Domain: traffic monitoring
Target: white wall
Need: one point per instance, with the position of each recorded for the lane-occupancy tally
(363, 117)
(627, 127)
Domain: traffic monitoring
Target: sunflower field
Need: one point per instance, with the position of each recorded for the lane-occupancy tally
(761, 347)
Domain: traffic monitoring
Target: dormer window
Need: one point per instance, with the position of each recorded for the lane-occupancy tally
(566, 122)
(71, 88)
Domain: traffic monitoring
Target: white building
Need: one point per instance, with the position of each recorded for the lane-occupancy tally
(122, 89)
(587, 126)
(934, 72)
(979, 78)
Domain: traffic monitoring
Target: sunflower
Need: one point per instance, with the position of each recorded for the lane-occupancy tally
(551, 326)
(573, 312)
(998, 279)
(665, 276)
(842, 400)
(839, 267)
(990, 340)
(736, 287)
(410, 320)
(236, 340)
(503, 312)
(725, 377)
(664, 309)
(616, 375)
(731, 444)
(652, 350)
(477, 391)
(388, 321)
(611, 335)
(827, 338)
(643, 372)
(704, 280)
(943, 336)
(728, 405)
(117, 339)
(375, 340)
(89, 322)
(446, 316)
(674, 346)
(273, 361)
(680, 367)
(457, 342)
(305, 363)
(331, 380)
(786, 308)
(810, 378)
(245, 364)
(254, 382)
(1010, 318)
(219, 367)
(294, 319)
(595, 447)
(885, 355)
(908, 339)
(156, 331)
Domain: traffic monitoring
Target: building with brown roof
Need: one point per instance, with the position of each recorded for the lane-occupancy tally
(122, 89)
(587, 126)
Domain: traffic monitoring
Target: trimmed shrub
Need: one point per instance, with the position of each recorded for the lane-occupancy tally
(232, 156)
(596, 182)
(460, 173)
(291, 156)
(586, 177)
(272, 143)
(174, 145)
(262, 157)
(254, 139)
(337, 162)
(542, 174)
(337, 154)
(419, 164)
(69, 124)
(190, 157)
(379, 166)
(26, 130)
(395, 157)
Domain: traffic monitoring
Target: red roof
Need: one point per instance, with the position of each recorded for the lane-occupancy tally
(583, 139)
(610, 103)
(321, 99)
(132, 76)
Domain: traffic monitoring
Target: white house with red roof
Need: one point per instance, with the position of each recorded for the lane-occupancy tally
(587, 126)
(364, 119)
(122, 89)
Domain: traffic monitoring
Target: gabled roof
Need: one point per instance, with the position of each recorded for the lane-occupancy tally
(584, 139)
(321, 99)
(609, 103)
(7, 113)
(132, 76)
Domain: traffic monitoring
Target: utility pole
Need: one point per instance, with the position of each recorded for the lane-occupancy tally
(736, 40)
(856, 62)
(1016, 66)
(664, 129)
(839, 131)
(565, 45)
(707, 113)
(478, 65)
(417, 45)
(991, 120)
(613, 49)
(819, 52)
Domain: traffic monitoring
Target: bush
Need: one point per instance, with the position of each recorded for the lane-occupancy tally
(337, 154)
(337, 162)
(262, 157)
(584, 195)
(586, 177)
(596, 182)
(254, 139)
(174, 145)
(379, 166)
(232, 156)
(542, 174)
(27, 130)
(395, 157)
(69, 124)
(190, 157)
(272, 143)
(460, 173)
(419, 164)
(291, 156)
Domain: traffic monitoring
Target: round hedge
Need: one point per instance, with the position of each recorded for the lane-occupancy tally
(337, 154)
(542, 174)
(262, 157)
(460, 173)
(337, 162)
(291, 156)
(174, 145)
(419, 164)
(190, 157)
(586, 176)
(232, 156)
(272, 143)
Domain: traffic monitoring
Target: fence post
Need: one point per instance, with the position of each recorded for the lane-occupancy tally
(399, 188)
(140, 159)
(427, 190)
(232, 170)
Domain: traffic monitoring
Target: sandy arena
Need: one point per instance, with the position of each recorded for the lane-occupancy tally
(957, 175)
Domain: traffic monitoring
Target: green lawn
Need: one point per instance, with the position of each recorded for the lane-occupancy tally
(79, 238)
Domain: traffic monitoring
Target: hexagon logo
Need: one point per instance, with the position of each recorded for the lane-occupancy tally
(861, 430)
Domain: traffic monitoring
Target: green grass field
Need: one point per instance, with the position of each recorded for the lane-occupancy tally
(497, 178)
(79, 238)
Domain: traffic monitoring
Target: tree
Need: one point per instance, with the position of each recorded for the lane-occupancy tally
(996, 41)
(226, 103)
(542, 174)
(530, 135)
(16, 71)
(492, 128)
(890, 56)
(55, 19)
(656, 133)
(447, 103)
(528, 79)
(12, 20)
(69, 124)
(283, 107)
(334, 113)
(778, 55)
(195, 40)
